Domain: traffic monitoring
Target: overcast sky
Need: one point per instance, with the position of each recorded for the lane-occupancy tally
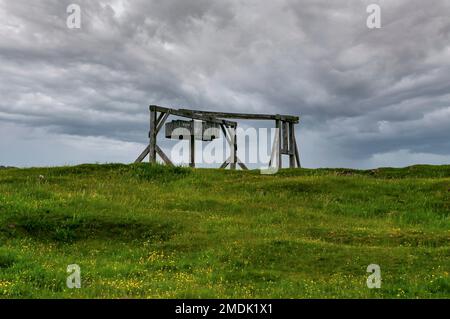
(366, 97)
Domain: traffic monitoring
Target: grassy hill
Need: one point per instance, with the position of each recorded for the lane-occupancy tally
(149, 231)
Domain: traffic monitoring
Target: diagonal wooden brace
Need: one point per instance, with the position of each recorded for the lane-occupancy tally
(163, 156)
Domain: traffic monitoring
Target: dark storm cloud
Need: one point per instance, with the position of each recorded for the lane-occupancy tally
(360, 92)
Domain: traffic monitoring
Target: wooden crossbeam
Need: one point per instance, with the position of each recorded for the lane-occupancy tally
(192, 115)
(246, 116)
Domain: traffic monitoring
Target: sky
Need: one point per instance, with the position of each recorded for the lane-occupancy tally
(366, 97)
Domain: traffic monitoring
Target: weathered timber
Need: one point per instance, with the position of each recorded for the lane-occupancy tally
(163, 156)
(284, 142)
(203, 131)
(273, 155)
(161, 122)
(143, 154)
(297, 156)
(225, 164)
(246, 116)
(192, 151)
(285, 135)
(152, 134)
(191, 115)
(278, 127)
(292, 160)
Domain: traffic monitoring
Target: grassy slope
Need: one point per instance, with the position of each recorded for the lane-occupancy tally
(151, 231)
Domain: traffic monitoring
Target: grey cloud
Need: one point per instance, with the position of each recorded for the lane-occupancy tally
(361, 93)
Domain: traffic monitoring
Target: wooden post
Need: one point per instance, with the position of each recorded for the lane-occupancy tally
(291, 147)
(192, 150)
(285, 134)
(233, 154)
(278, 126)
(274, 151)
(152, 135)
(297, 156)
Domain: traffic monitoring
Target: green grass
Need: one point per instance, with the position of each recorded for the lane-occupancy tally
(148, 231)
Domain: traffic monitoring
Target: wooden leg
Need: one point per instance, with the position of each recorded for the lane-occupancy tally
(143, 154)
(273, 155)
(278, 126)
(152, 135)
(242, 165)
(297, 156)
(192, 151)
(230, 142)
(225, 164)
(291, 148)
(233, 149)
(163, 156)
(285, 135)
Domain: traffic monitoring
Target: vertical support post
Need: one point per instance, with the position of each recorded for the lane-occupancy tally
(233, 148)
(285, 134)
(278, 127)
(152, 135)
(297, 156)
(274, 151)
(192, 146)
(291, 147)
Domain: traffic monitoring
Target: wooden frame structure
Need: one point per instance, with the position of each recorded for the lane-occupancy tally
(284, 143)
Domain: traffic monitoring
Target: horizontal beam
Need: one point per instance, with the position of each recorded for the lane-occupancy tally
(247, 116)
(192, 115)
